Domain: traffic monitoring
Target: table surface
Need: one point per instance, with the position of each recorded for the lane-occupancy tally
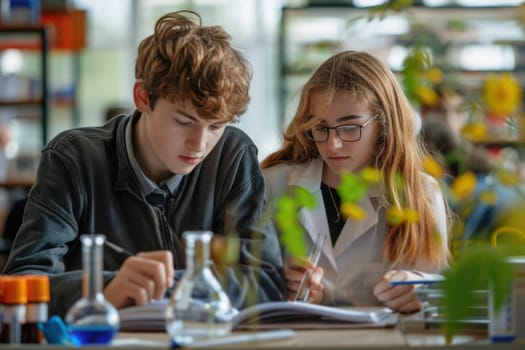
(371, 339)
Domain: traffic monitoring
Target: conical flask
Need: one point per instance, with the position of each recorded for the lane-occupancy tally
(199, 308)
(92, 319)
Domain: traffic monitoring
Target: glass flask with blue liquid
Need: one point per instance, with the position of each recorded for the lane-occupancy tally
(199, 308)
(92, 320)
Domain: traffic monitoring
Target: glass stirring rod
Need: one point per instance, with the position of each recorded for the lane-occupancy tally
(313, 257)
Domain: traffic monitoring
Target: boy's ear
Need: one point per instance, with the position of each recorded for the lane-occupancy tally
(140, 97)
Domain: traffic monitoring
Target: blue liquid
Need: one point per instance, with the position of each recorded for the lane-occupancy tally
(84, 335)
(502, 338)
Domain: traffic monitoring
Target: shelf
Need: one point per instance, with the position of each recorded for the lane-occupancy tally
(19, 183)
(19, 37)
(7, 45)
(31, 102)
(310, 34)
(21, 28)
(46, 80)
(66, 30)
(500, 142)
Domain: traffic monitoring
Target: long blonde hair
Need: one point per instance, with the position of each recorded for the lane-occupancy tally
(398, 151)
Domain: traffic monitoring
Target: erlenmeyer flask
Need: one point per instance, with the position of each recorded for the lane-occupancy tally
(198, 308)
(92, 320)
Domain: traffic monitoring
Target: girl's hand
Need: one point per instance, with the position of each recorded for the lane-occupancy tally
(400, 298)
(314, 275)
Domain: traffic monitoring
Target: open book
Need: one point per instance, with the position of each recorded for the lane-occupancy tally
(150, 317)
(278, 314)
(300, 315)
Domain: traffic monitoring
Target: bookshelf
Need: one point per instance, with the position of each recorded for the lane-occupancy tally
(308, 34)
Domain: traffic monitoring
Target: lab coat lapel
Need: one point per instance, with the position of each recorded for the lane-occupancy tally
(309, 176)
(353, 229)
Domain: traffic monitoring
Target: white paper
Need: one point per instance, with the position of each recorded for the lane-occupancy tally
(279, 314)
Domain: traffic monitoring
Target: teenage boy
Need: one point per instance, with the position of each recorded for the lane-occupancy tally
(143, 179)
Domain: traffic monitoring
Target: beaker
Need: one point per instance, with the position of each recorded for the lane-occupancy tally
(92, 319)
(199, 308)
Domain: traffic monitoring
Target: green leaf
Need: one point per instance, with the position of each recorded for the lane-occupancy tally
(457, 25)
(286, 218)
(293, 240)
(476, 268)
(304, 198)
(352, 188)
(286, 203)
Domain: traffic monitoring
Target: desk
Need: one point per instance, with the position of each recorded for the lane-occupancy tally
(312, 339)
(371, 339)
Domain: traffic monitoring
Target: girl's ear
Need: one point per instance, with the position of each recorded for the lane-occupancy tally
(140, 97)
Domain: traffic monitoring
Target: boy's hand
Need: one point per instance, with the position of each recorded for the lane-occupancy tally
(141, 278)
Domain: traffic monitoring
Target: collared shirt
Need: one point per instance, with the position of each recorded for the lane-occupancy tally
(147, 185)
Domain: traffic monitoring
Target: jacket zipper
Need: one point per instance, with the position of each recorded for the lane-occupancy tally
(169, 241)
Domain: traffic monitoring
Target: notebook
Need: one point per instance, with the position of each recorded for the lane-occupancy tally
(301, 315)
(270, 315)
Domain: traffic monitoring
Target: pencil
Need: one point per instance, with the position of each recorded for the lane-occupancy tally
(119, 249)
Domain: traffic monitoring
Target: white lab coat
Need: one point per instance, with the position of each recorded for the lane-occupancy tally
(355, 265)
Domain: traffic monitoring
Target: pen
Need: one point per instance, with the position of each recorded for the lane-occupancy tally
(118, 249)
(243, 338)
(126, 254)
(414, 282)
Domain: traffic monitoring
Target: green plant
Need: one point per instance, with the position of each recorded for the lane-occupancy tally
(479, 260)
(286, 218)
(475, 269)
(285, 210)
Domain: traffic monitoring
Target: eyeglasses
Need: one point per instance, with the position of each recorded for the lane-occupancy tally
(346, 132)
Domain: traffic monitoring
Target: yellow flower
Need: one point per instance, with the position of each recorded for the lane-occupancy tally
(411, 216)
(432, 167)
(501, 94)
(427, 96)
(508, 178)
(395, 216)
(464, 185)
(474, 131)
(353, 211)
(371, 175)
(488, 197)
(435, 75)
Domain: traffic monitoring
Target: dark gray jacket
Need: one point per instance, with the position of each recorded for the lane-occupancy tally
(85, 184)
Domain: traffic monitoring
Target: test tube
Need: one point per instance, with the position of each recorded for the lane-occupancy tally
(315, 253)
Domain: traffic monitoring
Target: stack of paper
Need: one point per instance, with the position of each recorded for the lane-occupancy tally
(280, 314)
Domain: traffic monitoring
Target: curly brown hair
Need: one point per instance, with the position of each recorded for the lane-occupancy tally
(183, 59)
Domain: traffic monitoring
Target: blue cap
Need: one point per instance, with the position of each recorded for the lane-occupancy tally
(55, 331)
